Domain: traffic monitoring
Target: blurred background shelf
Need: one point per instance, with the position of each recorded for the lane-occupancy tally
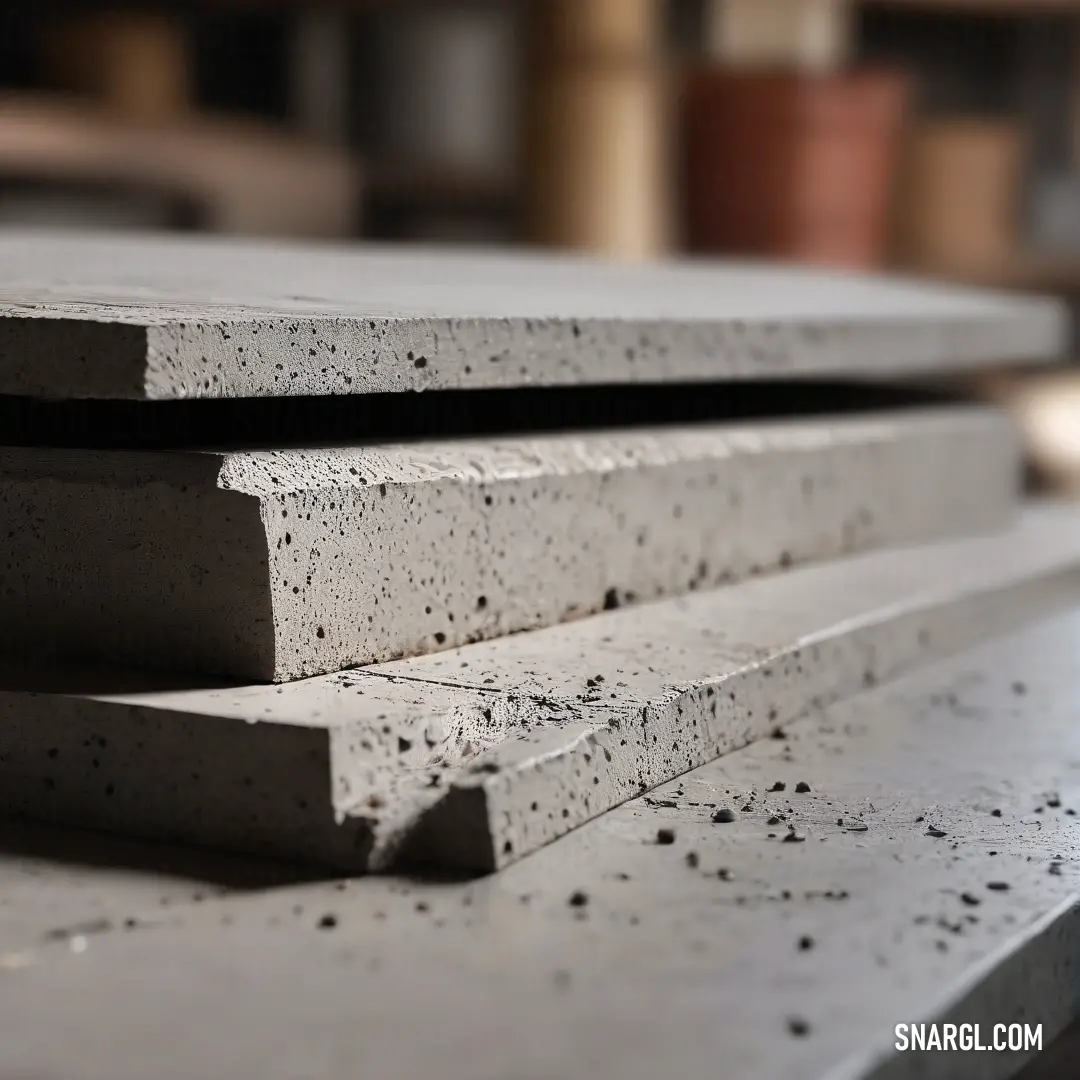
(218, 173)
(1032, 274)
(932, 136)
(1024, 8)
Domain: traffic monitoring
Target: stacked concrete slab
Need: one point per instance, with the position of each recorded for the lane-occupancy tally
(470, 758)
(451, 652)
(275, 565)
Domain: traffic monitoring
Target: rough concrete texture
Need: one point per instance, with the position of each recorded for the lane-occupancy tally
(279, 565)
(173, 318)
(475, 757)
(726, 951)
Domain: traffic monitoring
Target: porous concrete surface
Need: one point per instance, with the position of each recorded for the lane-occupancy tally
(475, 757)
(277, 565)
(165, 317)
(911, 855)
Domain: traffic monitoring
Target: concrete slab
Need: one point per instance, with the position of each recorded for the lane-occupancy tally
(283, 564)
(726, 951)
(157, 317)
(475, 757)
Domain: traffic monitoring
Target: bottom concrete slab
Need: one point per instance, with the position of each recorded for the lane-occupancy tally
(474, 757)
(911, 855)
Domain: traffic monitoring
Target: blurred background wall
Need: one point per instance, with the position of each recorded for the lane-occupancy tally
(937, 135)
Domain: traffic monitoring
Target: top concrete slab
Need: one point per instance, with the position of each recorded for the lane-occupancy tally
(162, 318)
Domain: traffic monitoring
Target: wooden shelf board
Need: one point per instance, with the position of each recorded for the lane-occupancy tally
(1013, 8)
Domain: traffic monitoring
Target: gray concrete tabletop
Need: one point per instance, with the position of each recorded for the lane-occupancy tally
(909, 856)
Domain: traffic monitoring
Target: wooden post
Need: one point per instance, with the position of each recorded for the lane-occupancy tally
(596, 161)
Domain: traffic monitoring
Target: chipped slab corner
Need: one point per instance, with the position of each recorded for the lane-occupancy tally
(472, 758)
(614, 706)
